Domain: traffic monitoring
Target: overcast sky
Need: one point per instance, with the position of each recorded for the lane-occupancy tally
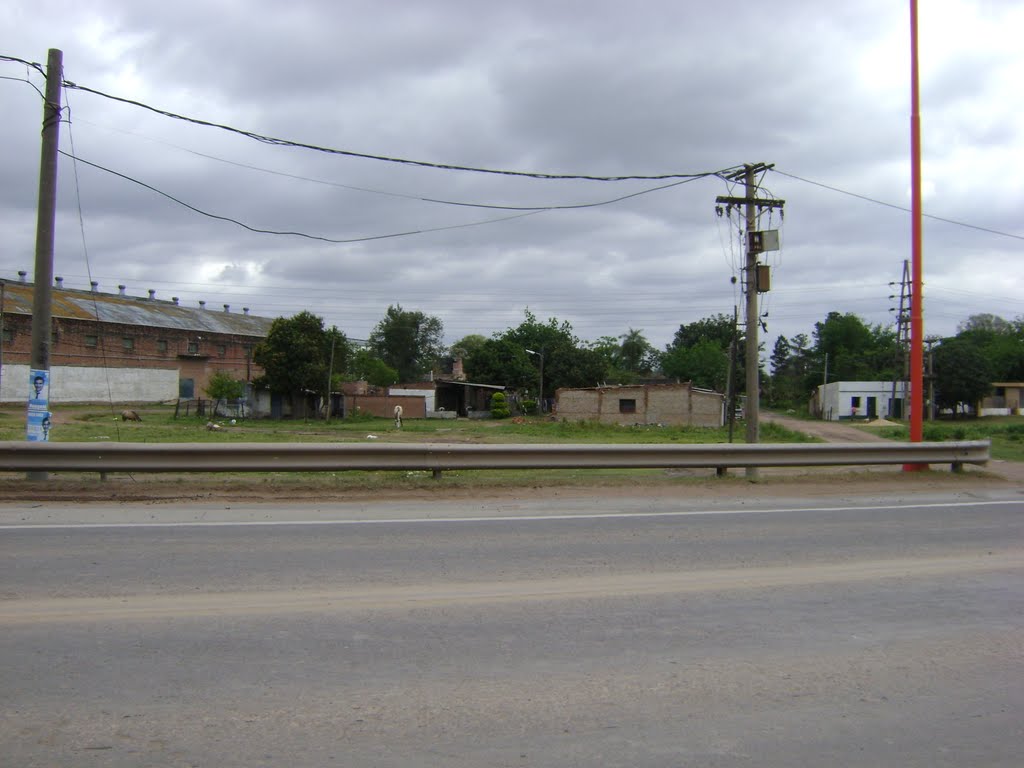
(819, 89)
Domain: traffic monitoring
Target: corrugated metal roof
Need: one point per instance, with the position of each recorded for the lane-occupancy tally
(131, 310)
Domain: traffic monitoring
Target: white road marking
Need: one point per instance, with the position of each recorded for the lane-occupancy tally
(489, 519)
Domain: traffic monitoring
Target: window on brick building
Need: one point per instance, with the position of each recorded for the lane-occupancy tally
(92, 340)
(193, 347)
(161, 346)
(222, 350)
(128, 343)
(8, 335)
(627, 406)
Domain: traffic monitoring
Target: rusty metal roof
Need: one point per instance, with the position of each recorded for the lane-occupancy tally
(132, 310)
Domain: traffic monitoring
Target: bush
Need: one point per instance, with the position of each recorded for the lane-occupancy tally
(223, 387)
(528, 406)
(499, 406)
(1015, 432)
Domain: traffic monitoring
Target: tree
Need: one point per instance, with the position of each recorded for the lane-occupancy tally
(962, 374)
(369, 368)
(504, 359)
(705, 364)
(500, 361)
(296, 354)
(408, 341)
(717, 328)
(222, 386)
(984, 322)
(794, 375)
(636, 354)
(856, 351)
(467, 345)
(699, 352)
(1000, 341)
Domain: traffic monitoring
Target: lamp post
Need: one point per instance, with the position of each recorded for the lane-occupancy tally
(540, 386)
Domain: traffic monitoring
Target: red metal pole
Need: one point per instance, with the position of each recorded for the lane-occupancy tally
(916, 299)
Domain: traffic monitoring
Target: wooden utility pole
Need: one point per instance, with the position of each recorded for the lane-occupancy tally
(45, 234)
(330, 375)
(752, 206)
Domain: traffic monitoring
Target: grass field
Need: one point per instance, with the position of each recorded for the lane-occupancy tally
(91, 423)
(80, 423)
(1005, 432)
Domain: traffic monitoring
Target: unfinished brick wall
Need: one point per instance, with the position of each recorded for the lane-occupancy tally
(675, 404)
(413, 406)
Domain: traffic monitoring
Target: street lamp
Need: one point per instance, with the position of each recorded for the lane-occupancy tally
(540, 386)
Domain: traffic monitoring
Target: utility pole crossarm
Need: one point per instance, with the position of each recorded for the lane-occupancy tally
(760, 202)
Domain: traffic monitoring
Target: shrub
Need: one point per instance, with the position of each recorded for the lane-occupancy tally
(499, 406)
(223, 387)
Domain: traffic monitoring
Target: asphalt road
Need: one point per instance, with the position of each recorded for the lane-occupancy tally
(585, 633)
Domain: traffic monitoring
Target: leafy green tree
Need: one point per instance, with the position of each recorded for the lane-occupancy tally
(717, 328)
(985, 322)
(699, 352)
(367, 367)
(222, 386)
(963, 374)
(500, 361)
(296, 354)
(705, 364)
(467, 345)
(408, 341)
(504, 359)
(856, 351)
(1000, 341)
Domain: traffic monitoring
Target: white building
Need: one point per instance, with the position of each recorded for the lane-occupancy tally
(860, 399)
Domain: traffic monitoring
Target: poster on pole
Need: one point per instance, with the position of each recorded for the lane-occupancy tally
(38, 428)
(39, 388)
(37, 425)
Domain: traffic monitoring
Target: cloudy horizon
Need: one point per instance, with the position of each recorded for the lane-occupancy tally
(577, 88)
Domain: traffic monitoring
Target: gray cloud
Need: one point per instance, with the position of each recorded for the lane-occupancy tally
(589, 87)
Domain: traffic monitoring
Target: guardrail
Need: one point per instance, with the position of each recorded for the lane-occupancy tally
(438, 457)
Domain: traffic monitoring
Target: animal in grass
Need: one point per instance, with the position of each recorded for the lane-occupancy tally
(212, 427)
(398, 416)
(128, 415)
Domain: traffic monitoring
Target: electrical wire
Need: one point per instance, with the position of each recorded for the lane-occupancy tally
(294, 233)
(32, 64)
(275, 141)
(88, 269)
(405, 196)
(898, 207)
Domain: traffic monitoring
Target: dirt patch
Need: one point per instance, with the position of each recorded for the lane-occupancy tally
(829, 431)
(690, 484)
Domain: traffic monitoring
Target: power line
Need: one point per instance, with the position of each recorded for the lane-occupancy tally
(275, 141)
(291, 232)
(899, 207)
(32, 64)
(406, 196)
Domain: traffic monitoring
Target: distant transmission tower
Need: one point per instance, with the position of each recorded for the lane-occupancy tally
(902, 338)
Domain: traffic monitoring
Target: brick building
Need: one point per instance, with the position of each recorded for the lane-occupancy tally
(121, 348)
(677, 404)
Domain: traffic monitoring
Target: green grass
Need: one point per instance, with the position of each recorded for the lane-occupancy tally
(82, 423)
(1005, 432)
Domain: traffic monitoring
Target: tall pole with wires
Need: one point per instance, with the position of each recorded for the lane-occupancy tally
(752, 206)
(42, 307)
(753, 412)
